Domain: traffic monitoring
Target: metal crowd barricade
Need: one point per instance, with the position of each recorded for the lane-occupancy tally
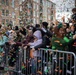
(18, 65)
(5, 69)
(50, 62)
(42, 62)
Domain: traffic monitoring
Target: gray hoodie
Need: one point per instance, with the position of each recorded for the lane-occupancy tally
(39, 37)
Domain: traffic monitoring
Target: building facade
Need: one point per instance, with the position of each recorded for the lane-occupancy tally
(37, 11)
(9, 12)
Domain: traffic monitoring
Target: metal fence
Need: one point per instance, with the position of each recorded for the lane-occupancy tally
(41, 62)
(50, 62)
(16, 62)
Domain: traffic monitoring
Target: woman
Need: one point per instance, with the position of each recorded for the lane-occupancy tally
(34, 54)
(37, 40)
(60, 42)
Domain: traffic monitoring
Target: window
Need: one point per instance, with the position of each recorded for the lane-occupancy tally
(41, 9)
(34, 6)
(34, 21)
(37, 14)
(51, 11)
(13, 14)
(3, 21)
(3, 1)
(52, 5)
(31, 12)
(7, 21)
(52, 17)
(13, 3)
(40, 1)
(40, 21)
(7, 12)
(34, 13)
(48, 17)
(37, 7)
(7, 2)
(3, 12)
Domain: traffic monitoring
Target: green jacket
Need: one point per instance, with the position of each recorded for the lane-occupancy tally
(59, 43)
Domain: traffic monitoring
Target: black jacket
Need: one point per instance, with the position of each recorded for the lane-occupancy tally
(45, 39)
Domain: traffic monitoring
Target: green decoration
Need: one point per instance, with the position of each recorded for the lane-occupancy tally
(13, 59)
(49, 59)
(19, 16)
(46, 49)
(70, 34)
(23, 67)
(46, 71)
(53, 47)
(66, 39)
(66, 63)
(6, 69)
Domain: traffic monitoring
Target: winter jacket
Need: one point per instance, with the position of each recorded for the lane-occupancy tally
(38, 35)
(45, 39)
(60, 43)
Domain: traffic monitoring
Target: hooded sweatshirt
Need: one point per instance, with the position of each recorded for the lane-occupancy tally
(38, 35)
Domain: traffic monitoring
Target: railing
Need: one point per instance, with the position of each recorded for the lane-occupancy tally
(51, 62)
(42, 62)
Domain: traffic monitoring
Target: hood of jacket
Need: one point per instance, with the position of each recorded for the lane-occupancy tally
(38, 34)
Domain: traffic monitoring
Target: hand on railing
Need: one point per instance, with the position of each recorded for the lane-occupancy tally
(25, 47)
